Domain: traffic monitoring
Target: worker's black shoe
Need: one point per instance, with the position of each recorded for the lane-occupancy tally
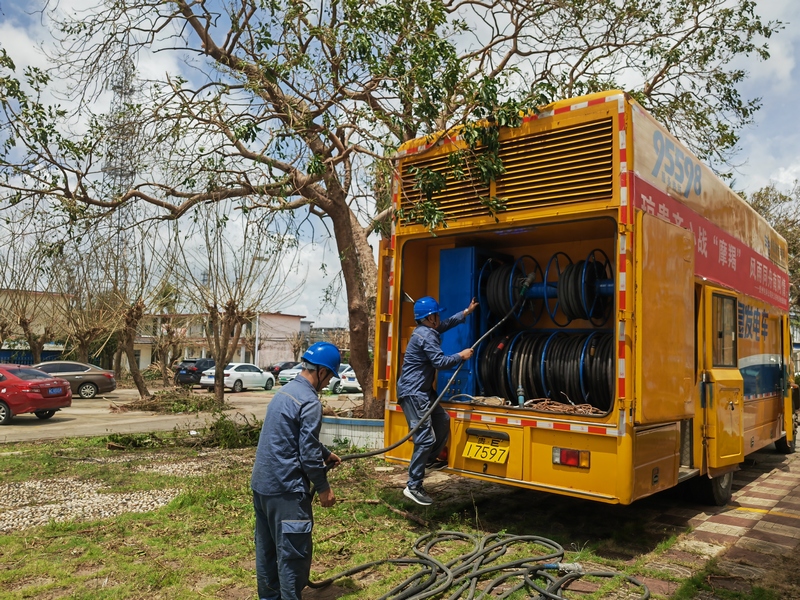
(436, 465)
(418, 495)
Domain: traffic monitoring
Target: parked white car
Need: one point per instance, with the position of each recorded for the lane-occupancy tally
(287, 375)
(335, 384)
(240, 376)
(349, 381)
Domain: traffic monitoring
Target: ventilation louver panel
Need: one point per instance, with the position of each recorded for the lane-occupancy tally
(567, 165)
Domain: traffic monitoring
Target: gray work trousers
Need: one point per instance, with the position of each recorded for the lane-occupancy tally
(430, 438)
(283, 544)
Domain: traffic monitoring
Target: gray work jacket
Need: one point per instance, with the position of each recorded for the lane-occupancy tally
(423, 357)
(289, 454)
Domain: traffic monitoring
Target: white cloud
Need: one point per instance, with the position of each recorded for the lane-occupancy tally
(770, 148)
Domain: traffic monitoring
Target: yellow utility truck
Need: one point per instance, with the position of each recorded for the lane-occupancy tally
(648, 341)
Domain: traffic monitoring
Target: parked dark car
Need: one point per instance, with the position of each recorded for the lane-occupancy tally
(280, 366)
(24, 389)
(85, 380)
(189, 371)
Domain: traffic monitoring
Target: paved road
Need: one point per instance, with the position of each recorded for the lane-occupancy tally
(95, 417)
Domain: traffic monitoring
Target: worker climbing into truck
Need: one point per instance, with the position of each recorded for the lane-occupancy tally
(416, 393)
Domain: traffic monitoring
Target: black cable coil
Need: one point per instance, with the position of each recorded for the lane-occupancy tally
(532, 563)
(572, 368)
(497, 290)
(569, 291)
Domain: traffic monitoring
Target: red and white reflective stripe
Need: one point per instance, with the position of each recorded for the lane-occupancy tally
(624, 241)
(393, 247)
(521, 422)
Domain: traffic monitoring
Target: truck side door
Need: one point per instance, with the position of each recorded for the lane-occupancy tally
(723, 384)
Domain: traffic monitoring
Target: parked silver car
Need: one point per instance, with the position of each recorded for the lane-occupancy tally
(287, 375)
(334, 386)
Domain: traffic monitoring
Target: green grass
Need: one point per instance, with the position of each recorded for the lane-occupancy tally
(201, 544)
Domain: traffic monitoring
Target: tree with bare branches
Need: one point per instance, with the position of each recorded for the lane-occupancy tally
(230, 271)
(29, 303)
(87, 306)
(298, 342)
(290, 106)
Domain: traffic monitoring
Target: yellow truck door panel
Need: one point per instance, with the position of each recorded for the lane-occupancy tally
(723, 394)
(724, 420)
(666, 314)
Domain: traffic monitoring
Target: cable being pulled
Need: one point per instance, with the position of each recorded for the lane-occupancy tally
(478, 574)
(526, 284)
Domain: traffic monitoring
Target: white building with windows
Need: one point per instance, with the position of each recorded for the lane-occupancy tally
(267, 339)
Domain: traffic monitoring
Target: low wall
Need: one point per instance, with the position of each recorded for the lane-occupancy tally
(363, 433)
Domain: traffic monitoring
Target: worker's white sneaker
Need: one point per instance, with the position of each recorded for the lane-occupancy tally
(418, 495)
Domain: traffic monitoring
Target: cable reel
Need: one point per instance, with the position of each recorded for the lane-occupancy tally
(552, 298)
(582, 290)
(597, 370)
(504, 288)
(597, 288)
(492, 358)
(568, 367)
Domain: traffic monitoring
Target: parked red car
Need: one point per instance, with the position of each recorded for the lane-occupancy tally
(24, 389)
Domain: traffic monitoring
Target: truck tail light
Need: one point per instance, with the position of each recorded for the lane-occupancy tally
(571, 458)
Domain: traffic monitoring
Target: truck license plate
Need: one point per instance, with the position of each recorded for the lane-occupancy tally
(486, 449)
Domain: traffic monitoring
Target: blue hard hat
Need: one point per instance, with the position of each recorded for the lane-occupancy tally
(323, 354)
(426, 306)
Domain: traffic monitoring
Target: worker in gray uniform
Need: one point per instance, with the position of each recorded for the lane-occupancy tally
(290, 459)
(415, 392)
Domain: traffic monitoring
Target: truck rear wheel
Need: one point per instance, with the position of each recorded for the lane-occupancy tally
(785, 447)
(715, 491)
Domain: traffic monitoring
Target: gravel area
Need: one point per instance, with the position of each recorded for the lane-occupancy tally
(33, 503)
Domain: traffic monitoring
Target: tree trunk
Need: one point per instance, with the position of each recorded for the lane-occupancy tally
(35, 342)
(82, 351)
(118, 362)
(37, 345)
(133, 316)
(165, 372)
(358, 269)
(218, 341)
(141, 386)
(223, 333)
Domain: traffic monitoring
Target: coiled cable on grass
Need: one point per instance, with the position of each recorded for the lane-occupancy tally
(477, 573)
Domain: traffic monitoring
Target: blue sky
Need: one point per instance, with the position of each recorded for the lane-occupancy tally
(770, 148)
